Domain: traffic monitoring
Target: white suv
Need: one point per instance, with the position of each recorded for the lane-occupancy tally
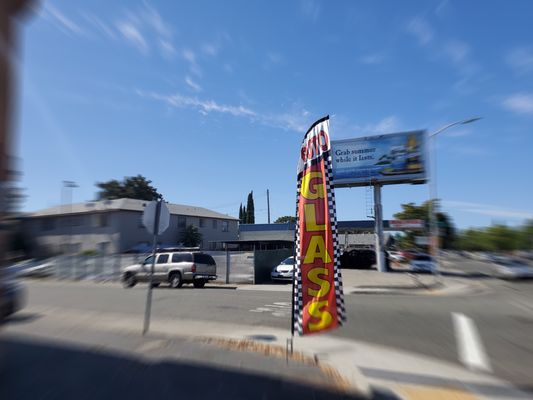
(173, 267)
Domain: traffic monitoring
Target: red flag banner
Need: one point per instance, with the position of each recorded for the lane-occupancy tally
(318, 303)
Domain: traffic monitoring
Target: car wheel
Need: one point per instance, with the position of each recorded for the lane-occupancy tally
(155, 284)
(199, 284)
(129, 281)
(175, 280)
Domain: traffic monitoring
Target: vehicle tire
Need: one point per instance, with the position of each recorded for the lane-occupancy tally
(129, 281)
(155, 284)
(175, 280)
(198, 284)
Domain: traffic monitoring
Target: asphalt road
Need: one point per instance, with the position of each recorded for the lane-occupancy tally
(502, 314)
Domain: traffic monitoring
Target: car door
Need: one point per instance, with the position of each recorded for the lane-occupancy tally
(144, 272)
(161, 267)
(205, 264)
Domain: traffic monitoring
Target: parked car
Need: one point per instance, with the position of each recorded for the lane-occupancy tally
(422, 263)
(12, 294)
(284, 271)
(38, 269)
(396, 256)
(174, 268)
(358, 258)
(509, 268)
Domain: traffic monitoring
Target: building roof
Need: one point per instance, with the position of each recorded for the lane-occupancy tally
(126, 205)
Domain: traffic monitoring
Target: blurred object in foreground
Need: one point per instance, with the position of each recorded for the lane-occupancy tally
(10, 292)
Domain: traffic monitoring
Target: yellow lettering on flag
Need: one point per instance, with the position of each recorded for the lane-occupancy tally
(314, 277)
(312, 191)
(310, 219)
(325, 317)
(316, 249)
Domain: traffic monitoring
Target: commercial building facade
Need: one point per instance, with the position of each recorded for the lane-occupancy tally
(115, 226)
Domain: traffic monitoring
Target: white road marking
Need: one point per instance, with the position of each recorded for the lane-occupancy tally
(469, 344)
(278, 309)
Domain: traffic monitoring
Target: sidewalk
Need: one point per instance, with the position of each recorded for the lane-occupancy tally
(68, 360)
(202, 359)
(396, 282)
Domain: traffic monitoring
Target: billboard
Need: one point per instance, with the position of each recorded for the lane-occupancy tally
(318, 303)
(407, 224)
(384, 159)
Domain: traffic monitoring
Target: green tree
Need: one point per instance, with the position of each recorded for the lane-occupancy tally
(285, 219)
(131, 187)
(240, 214)
(191, 237)
(250, 212)
(444, 222)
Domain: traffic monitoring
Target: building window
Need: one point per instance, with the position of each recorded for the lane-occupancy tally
(76, 221)
(225, 226)
(215, 224)
(100, 220)
(182, 221)
(48, 224)
(202, 223)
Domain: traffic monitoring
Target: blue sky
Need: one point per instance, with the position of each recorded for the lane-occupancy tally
(211, 99)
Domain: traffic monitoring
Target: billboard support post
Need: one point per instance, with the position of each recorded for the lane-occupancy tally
(378, 213)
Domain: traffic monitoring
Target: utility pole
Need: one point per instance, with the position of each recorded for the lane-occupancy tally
(268, 205)
(378, 213)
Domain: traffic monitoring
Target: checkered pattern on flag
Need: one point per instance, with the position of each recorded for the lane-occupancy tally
(318, 299)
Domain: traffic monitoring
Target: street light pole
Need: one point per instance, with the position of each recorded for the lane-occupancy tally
(433, 226)
(68, 187)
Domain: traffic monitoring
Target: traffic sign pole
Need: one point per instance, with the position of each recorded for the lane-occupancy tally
(148, 308)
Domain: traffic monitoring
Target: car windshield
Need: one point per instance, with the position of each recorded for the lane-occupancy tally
(288, 261)
(148, 260)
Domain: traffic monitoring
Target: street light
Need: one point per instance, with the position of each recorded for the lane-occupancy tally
(67, 189)
(433, 227)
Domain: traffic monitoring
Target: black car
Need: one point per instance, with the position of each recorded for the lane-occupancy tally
(12, 296)
(358, 258)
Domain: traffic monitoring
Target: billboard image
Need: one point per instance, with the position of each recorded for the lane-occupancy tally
(385, 159)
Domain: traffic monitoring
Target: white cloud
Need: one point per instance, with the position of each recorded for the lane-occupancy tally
(457, 51)
(297, 119)
(146, 29)
(519, 103)
(100, 25)
(386, 125)
(133, 35)
(210, 49)
(520, 59)
(156, 22)
(485, 209)
(203, 106)
(167, 48)
(192, 84)
(442, 8)
(372, 59)
(310, 9)
(421, 29)
(61, 21)
(190, 56)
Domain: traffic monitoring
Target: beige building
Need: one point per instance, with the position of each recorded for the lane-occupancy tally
(112, 226)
